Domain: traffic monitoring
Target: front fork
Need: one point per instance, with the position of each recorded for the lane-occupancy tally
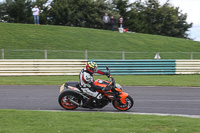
(122, 97)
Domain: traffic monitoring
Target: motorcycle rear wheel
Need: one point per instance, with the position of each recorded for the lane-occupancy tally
(124, 107)
(64, 100)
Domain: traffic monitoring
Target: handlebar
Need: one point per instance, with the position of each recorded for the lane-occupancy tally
(112, 80)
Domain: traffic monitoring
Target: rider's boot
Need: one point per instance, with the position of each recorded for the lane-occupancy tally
(92, 100)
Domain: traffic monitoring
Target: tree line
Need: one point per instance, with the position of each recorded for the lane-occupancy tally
(143, 17)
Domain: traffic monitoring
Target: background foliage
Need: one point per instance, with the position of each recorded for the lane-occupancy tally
(144, 17)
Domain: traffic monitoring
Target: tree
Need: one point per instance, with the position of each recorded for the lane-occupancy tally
(59, 12)
(182, 25)
(82, 13)
(2, 11)
(20, 11)
(137, 18)
(122, 7)
(153, 18)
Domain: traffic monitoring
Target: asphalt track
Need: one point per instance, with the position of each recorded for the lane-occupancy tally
(165, 100)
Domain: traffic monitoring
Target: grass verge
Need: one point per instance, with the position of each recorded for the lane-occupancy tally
(129, 80)
(18, 121)
(29, 36)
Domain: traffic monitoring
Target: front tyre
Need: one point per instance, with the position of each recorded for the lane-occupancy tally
(64, 100)
(124, 107)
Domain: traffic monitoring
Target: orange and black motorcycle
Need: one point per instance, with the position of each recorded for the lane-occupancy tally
(71, 96)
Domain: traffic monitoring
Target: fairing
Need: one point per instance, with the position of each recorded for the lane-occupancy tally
(104, 83)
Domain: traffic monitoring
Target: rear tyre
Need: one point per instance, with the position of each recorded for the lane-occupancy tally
(64, 100)
(124, 107)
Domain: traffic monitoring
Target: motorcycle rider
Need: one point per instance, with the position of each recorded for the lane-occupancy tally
(87, 83)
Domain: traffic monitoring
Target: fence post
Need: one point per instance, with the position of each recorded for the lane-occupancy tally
(191, 55)
(86, 54)
(123, 55)
(45, 54)
(2, 53)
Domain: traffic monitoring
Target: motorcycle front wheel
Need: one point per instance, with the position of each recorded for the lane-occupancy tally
(124, 107)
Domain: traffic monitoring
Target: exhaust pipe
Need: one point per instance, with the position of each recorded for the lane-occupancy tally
(73, 102)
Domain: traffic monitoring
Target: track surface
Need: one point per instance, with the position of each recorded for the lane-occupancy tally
(169, 100)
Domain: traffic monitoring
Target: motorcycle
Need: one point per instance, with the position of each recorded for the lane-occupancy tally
(71, 95)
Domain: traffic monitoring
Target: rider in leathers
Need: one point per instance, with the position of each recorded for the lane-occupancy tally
(87, 83)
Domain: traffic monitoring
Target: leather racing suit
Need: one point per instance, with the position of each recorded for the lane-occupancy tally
(87, 83)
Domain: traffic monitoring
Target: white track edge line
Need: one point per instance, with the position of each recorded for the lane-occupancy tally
(136, 113)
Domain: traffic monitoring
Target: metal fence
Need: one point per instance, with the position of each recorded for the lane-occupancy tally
(86, 54)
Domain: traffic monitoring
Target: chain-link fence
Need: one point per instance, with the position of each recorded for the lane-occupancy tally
(85, 54)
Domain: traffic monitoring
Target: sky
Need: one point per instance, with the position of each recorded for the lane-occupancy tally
(192, 8)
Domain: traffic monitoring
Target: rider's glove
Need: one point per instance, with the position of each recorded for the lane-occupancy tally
(107, 74)
(107, 88)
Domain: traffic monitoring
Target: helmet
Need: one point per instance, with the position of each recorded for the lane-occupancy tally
(91, 67)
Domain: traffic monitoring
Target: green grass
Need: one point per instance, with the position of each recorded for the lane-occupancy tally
(129, 80)
(27, 36)
(17, 121)
(38, 38)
